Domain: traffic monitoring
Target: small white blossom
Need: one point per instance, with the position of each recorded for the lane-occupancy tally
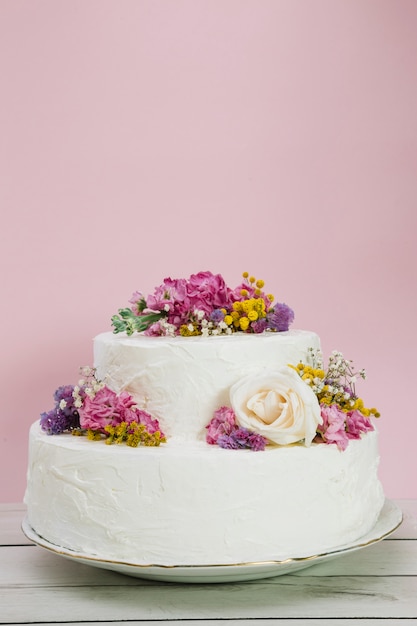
(62, 404)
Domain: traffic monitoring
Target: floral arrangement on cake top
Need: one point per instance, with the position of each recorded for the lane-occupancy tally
(303, 403)
(91, 408)
(203, 305)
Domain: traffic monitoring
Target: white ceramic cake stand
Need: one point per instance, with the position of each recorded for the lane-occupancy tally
(390, 518)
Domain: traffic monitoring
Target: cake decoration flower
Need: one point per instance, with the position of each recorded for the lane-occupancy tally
(93, 409)
(302, 404)
(204, 305)
(224, 431)
(277, 405)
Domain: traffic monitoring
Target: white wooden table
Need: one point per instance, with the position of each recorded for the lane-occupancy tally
(376, 585)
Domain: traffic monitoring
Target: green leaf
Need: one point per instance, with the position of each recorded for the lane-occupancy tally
(129, 323)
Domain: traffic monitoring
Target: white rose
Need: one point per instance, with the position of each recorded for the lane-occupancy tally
(278, 405)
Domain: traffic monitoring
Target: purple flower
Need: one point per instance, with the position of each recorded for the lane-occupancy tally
(217, 316)
(248, 439)
(224, 431)
(54, 422)
(64, 416)
(259, 325)
(241, 438)
(280, 317)
(256, 442)
(228, 442)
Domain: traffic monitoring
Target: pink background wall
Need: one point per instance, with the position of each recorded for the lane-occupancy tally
(145, 138)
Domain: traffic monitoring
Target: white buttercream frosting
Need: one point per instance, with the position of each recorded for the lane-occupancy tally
(198, 504)
(181, 381)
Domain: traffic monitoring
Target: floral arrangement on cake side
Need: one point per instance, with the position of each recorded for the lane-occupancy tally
(303, 403)
(91, 408)
(204, 305)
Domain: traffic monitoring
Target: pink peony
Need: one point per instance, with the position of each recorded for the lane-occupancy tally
(208, 291)
(333, 430)
(222, 423)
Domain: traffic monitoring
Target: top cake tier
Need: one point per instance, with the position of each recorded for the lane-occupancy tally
(181, 381)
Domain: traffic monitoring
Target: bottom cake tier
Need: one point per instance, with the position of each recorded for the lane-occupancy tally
(186, 503)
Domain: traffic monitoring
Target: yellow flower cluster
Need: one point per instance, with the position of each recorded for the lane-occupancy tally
(189, 330)
(332, 394)
(244, 312)
(133, 435)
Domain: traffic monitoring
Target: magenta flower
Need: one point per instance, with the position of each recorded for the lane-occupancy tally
(260, 325)
(356, 424)
(222, 423)
(135, 299)
(106, 408)
(208, 291)
(172, 292)
(224, 432)
(151, 424)
(333, 428)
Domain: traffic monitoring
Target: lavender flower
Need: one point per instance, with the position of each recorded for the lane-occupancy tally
(217, 316)
(64, 416)
(228, 442)
(280, 317)
(242, 438)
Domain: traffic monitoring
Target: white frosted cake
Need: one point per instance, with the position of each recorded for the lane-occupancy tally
(235, 446)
